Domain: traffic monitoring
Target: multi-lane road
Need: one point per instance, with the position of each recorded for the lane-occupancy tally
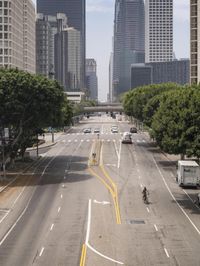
(71, 208)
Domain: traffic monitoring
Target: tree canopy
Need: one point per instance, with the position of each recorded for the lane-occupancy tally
(27, 103)
(173, 114)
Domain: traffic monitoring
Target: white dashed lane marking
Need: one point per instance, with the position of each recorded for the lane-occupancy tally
(166, 252)
(156, 227)
(41, 252)
(51, 227)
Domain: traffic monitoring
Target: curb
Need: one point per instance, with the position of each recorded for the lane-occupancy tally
(40, 147)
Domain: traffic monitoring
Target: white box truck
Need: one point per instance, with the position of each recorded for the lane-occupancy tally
(188, 173)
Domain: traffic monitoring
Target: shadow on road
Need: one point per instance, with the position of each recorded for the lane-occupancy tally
(187, 204)
(61, 169)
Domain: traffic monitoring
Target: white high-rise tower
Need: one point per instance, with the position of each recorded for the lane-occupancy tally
(17, 34)
(158, 30)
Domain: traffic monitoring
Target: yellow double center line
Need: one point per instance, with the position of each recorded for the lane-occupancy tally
(83, 255)
(114, 193)
(112, 188)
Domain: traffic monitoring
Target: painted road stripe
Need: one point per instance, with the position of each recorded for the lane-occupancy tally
(61, 196)
(51, 227)
(148, 209)
(156, 227)
(166, 252)
(59, 209)
(42, 250)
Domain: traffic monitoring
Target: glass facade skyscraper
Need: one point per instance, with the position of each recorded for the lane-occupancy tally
(128, 42)
(75, 12)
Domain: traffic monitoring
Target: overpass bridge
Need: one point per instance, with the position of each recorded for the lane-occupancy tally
(104, 108)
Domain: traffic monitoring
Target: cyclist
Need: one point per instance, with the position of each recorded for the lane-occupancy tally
(145, 193)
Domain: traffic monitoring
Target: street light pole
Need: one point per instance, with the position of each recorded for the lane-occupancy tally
(3, 168)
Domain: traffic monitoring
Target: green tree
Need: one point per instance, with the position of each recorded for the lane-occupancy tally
(136, 99)
(176, 124)
(28, 102)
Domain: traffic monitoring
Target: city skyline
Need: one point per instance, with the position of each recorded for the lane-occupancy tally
(99, 32)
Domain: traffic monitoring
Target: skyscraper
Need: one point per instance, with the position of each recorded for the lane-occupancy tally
(128, 42)
(75, 12)
(158, 30)
(43, 42)
(17, 34)
(67, 58)
(91, 78)
(194, 43)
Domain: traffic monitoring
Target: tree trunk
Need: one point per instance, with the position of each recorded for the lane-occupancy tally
(182, 156)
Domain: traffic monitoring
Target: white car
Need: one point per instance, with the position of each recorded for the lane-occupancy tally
(114, 130)
(87, 130)
(127, 138)
(97, 130)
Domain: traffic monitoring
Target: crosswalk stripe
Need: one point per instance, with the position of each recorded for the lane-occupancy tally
(103, 140)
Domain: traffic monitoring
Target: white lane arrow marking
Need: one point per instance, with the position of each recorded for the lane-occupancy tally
(101, 202)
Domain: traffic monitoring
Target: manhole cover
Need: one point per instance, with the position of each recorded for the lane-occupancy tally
(136, 221)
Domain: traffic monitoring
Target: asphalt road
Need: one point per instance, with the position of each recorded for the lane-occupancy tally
(72, 209)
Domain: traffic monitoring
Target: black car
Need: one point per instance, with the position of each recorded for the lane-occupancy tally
(133, 130)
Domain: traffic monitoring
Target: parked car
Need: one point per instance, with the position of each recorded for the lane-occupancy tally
(133, 130)
(127, 138)
(87, 130)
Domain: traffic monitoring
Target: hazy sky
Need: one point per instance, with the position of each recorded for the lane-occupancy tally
(99, 31)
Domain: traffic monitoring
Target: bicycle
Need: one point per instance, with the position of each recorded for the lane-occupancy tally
(145, 194)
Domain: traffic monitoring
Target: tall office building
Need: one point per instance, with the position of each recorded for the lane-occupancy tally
(75, 12)
(176, 71)
(158, 30)
(110, 94)
(43, 33)
(46, 28)
(194, 42)
(17, 34)
(68, 57)
(91, 78)
(128, 42)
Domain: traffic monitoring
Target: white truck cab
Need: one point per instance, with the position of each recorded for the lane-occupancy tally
(188, 173)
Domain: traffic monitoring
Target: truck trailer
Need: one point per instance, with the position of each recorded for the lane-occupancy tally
(188, 173)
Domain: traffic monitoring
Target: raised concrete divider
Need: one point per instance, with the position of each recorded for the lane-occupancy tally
(94, 158)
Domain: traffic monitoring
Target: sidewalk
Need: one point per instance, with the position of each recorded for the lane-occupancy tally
(48, 140)
(170, 157)
(20, 167)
